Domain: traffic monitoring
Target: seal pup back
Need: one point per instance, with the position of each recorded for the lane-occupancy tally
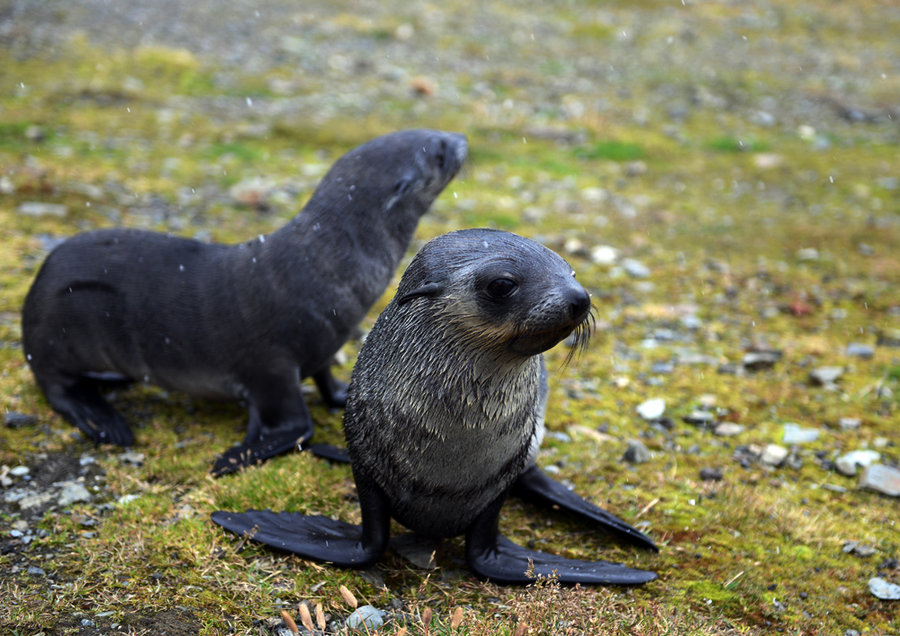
(235, 322)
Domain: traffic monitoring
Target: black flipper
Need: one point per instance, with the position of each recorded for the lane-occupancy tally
(535, 486)
(244, 455)
(320, 538)
(496, 558)
(79, 401)
(331, 453)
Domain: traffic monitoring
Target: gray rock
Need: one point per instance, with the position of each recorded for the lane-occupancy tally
(849, 423)
(652, 409)
(19, 471)
(794, 434)
(132, 458)
(635, 268)
(759, 360)
(860, 350)
(728, 429)
(636, 453)
(773, 455)
(854, 547)
(884, 590)
(700, 417)
(39, 209)
(711, 474)
(35, 499)
(848, 463)
(72, 492)
(881, 478)
(13, 419)
(33, 569)
(604, 255)
(826, 376)
(366, 618)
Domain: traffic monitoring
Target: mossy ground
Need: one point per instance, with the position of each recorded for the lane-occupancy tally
(557, 104)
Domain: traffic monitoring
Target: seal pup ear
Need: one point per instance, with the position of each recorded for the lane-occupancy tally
(425, 289)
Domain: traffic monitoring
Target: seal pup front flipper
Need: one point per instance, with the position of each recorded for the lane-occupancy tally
(534, 486)
(79, 401)
(317, 537)
(497, 559)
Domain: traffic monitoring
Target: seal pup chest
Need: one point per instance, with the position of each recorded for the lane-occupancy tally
(473, 432)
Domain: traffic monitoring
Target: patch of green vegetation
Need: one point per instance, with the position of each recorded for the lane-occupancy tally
(611, 150)
(732, 144)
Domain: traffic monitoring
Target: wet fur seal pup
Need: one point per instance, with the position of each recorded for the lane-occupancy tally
(445, 414)
(233, 322)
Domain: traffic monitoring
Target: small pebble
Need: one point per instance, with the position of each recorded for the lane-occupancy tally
(652, 409)
(33, 569)
(728, 429)
(859, 350)
(636, 453)
(881, 478)
(884, 590)
(131, 457)
(12, 419)
(826, 376)
(847, 464)
(41, 209)
(72, 492)
(759, 360)
(635, 268)
(773, 455)
(794, 434)
(711, 474)
(700, 418)
(849, 423)
(604, 255)
(19, 471)
(365, 618)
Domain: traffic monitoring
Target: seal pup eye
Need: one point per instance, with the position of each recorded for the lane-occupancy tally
(501, 288)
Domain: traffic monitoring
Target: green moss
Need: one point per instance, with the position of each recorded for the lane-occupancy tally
(612, 150)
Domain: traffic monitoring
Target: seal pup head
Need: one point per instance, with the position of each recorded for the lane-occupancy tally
(407, 168)
(498, 291)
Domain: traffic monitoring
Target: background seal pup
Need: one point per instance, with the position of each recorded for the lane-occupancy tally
(235, 322)
(445, 413)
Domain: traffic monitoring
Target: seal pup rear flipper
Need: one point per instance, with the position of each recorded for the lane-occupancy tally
(497, 559)
(535, 486)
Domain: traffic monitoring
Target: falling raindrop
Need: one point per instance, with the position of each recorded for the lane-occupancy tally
(249, 102)
(181, 268)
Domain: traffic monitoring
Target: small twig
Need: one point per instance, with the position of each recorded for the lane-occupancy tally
(646, 508)
(733, 579)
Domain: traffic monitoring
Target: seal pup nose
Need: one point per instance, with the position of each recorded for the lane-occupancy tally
(579, 302)
(461, 146)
